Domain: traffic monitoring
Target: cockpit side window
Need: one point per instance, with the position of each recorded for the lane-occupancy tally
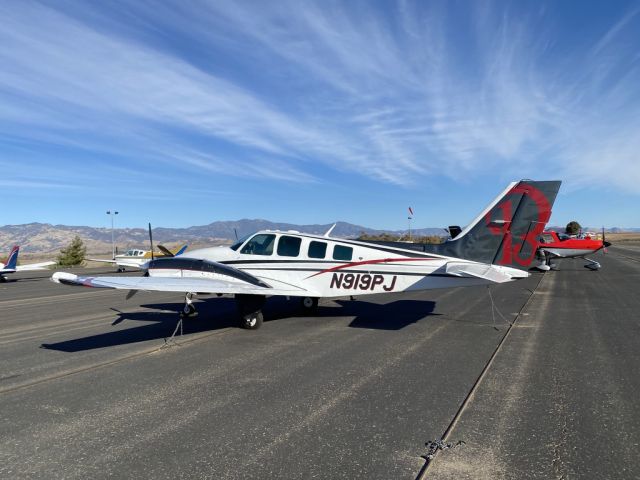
(546, 238)
(289, 246)
(261, 244)
(340, 252)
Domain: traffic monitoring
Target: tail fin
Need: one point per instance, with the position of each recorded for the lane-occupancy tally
(506, 232)
(12, 259)
(182, 249)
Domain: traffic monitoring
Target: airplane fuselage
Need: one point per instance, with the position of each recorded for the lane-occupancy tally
(328, 267)
(569, 247)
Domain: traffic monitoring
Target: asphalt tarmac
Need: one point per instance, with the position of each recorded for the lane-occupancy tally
(356, 391)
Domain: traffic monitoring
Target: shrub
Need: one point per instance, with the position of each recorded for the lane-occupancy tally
(72, 255)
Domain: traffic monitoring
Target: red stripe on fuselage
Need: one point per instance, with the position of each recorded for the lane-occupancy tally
(371, 262)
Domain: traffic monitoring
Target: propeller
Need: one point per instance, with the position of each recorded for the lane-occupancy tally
(162, 248)
(605, 244)
(151, 241)
(166, 251)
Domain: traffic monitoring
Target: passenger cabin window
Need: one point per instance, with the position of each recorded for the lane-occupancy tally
(289, 246)
(261, 244)
(317, 250)
(341, 252)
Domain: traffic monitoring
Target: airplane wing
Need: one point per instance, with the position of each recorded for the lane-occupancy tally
(34, 266)
(176, 284)
(122, 263)
(101, 260)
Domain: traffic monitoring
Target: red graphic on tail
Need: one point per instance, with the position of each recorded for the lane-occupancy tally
(513, 251)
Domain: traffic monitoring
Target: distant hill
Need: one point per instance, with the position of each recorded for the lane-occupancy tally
(44, 237)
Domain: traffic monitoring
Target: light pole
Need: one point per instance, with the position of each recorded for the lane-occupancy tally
(113, 244)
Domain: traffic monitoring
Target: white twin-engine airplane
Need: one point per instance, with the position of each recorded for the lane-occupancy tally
(12, 264)
(494, 248)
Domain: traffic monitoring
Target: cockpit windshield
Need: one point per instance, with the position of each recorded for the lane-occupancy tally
(236, 245)
(260, 244)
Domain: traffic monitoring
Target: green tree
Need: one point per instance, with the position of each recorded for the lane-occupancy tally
(573, 228)
(72, 255)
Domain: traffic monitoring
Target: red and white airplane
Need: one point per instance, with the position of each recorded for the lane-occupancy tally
(559, 245)
(11, 265)
(498, 246)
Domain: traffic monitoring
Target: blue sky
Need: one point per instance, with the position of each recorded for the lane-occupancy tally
(184, 113)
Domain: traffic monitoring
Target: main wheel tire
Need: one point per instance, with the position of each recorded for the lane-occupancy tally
(252, 321)
(309, 304)
(250, 310)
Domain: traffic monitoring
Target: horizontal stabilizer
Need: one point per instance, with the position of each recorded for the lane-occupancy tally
(492, 273)
(34, 266)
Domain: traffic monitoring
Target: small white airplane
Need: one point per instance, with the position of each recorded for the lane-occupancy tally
(11, 265)
(494, 248)
(136, 258)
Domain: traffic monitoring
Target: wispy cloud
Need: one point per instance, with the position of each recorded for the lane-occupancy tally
(396, 92)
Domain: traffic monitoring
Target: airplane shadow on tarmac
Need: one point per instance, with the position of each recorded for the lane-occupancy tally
(158, 323)
(389, 316)
(161, 319)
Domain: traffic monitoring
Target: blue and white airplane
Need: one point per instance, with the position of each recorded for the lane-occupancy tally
(12, 264)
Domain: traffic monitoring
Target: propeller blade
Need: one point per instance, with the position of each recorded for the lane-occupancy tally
(605, 244)
(166, 251)
(151, 241)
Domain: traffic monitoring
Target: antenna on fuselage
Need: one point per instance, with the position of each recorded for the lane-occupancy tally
(330, 230)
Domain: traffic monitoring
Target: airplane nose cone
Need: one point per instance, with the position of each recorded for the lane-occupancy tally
(607, 244)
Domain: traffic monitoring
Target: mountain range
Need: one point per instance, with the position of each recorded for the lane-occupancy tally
(45, 238)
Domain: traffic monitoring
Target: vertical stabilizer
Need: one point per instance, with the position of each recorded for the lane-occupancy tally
(12, 259)
(506, 232)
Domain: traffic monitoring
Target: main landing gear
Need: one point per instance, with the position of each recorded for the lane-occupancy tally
(309, 304)
(250, 310)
